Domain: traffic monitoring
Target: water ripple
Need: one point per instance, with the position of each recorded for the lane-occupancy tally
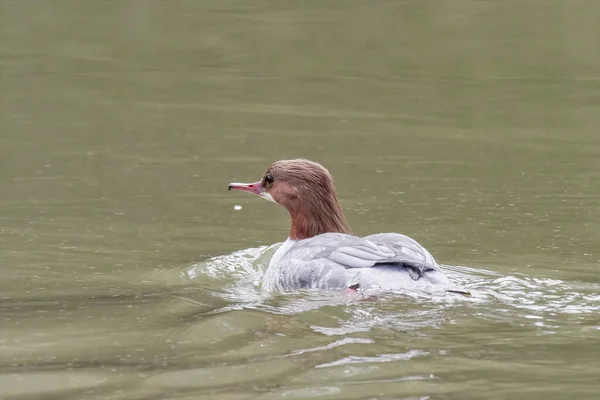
(378, 359)
(523, 299)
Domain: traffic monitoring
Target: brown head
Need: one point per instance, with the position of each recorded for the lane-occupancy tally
(306, 190)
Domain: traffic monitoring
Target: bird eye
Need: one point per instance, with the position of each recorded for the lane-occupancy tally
(268, 179)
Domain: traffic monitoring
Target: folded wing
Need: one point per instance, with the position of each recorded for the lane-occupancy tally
(334, 260)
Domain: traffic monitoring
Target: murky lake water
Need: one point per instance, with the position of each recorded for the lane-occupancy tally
(472, 126)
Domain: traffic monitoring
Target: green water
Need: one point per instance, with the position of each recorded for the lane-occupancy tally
(472, 126)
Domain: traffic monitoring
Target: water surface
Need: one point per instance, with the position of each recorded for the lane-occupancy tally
(126, 272)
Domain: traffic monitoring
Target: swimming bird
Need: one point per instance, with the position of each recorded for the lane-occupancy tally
(322, 252)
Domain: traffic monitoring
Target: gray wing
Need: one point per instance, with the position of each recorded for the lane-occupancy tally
(408, 251)
(334, 260)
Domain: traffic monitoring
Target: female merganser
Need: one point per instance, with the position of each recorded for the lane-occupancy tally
(322, 252)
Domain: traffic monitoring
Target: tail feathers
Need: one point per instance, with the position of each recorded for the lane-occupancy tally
(458, 291)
